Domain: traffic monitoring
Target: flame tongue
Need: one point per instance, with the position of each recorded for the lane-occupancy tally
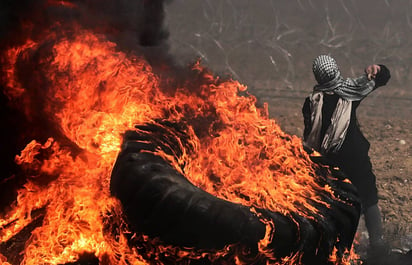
(93, 93)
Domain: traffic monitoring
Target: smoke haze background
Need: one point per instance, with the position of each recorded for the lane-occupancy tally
(270, 44)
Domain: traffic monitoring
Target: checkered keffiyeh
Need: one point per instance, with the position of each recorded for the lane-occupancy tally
(325, 69)
(327, 74)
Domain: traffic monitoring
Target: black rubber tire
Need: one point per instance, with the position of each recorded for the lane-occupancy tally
(160, 202)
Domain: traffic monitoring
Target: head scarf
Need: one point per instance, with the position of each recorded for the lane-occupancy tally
(326, 71)
(329, 80)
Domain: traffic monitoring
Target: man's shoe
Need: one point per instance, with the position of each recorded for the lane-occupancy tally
(378, 253)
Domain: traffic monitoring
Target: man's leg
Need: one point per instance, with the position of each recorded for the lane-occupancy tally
(373, 222)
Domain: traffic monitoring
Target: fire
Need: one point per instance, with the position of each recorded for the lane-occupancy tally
(93, 93)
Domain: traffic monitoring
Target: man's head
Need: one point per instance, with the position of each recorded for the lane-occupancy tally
(325, 69)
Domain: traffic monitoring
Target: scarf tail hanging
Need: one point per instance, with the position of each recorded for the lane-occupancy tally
(336, 132)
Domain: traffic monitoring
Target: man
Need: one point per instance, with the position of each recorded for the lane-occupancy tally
(331, 128)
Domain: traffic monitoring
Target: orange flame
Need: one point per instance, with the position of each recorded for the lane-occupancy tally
(94, 94)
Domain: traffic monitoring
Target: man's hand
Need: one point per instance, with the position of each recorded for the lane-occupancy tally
(372, 70)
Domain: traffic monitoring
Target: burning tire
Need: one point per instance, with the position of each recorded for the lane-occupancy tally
(160, 202)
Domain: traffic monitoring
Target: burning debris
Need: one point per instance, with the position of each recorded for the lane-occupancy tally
(203, 175)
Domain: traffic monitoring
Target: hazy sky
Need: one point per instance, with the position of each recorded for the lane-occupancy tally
(263, 39)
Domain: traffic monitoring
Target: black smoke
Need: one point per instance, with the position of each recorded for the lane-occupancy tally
(129, 23)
